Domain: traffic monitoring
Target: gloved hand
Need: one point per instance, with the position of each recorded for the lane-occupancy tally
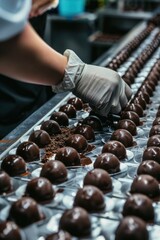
(102, 88)
(40, 6)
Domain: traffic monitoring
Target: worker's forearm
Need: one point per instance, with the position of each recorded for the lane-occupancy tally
(28, 58)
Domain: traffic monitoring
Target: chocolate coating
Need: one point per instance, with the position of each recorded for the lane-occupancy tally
(155, 130)
(60, 235)
(115, 147)
(123, 136)
(154, 141)
(135, 108)
(29, 151)
(90, 198)
(51, 127)
(76, 102)
(136, 205)
(69, 109)
(98, 178)
(85, 130)
(131, 228)
(9, 230)
(129, 125)
(156, 121)
(108, 162)
(61, 118)
(94, 122)
(151, 153)
(149, 167)
(25, 211)
(40, 137)
(76, 221)
(141, 101)
(69, 156)
(6, 185)
(14, 165)
(78, 142)
(132, 116)
(146, 185)
(55, 171)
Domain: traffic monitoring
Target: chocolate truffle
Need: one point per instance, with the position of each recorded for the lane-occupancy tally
(69, 109)
(90, 198)
(25, 211)
(154, 141)
(40, 189)
(29, 151)
(98, 178)
(146, 185)
(78, 142)
(136, 205)
(40, 137)
(141, 101)
(14, 165)
(155, 130)
(135, 108)
(107, 161)
(55, 171)
(149, 167)
(129, 125)
(76, 221)
(51, 127)
(76, 102)
(94, 122)
(61, 118)
(151, 153)
(69, 156)
(60, 235)
(123, 136)
(132, 116)
(131, 228)
(156, 121)
(6, 185)
(85, 130)
(9, 230)
(115, 147)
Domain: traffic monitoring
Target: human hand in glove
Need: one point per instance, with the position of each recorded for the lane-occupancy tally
(101, 87)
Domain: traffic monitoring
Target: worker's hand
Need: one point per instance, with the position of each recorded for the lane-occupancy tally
(101, 87)
(40, 6)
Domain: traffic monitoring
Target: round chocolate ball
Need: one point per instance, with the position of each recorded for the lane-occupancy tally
(69, 156)
(14, 165)
(51, 127)
(76, 221)
(156, 121)
(29, 151)
(85, 130)
(98, 178)
(60, 235)
(115, 147)
(135, 108)
(132, 116)
(69, 109)
(6, 185)
(55, 171)
(90, 198)
(40, 189)
(151, 153)
(155, 130)
(94, 122)
(136, 205)
(129, 125)
(149, 167)
(123, 136)
(78, 142)
(25, 211)
(131, 227)
(141, 101)
(9, 230)
(61, 118)
(107, 161)
(40, 137)
(154, 141)
(146, 185)
(76, 102)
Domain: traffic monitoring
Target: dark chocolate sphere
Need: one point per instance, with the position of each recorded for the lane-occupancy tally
(60, 235)
(76, 102)
(69, 109)
(123, 136)
(51, 127)
(29, 151)
(9, 230)
(115, 147)
(90, 198)
(40, 137)
(155, 130)
(78, 142)
(149, 167)
(154, 141)
(94, 122)
(40, 189)
(146, 185)
(69, 156)
(131, 228)
(107, 161)
(76, 221)
(132, 116)
(61, 118)
(156, 121)
(55, 171)
(151, 153)
(136, 205)
(85, 130)
(141, 101)
(14, 165)
(135, 108)
(6, 185)
(98, 178)
(25, 211)
(129, 125)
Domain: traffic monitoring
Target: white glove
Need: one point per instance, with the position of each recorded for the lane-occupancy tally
(101, 87)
